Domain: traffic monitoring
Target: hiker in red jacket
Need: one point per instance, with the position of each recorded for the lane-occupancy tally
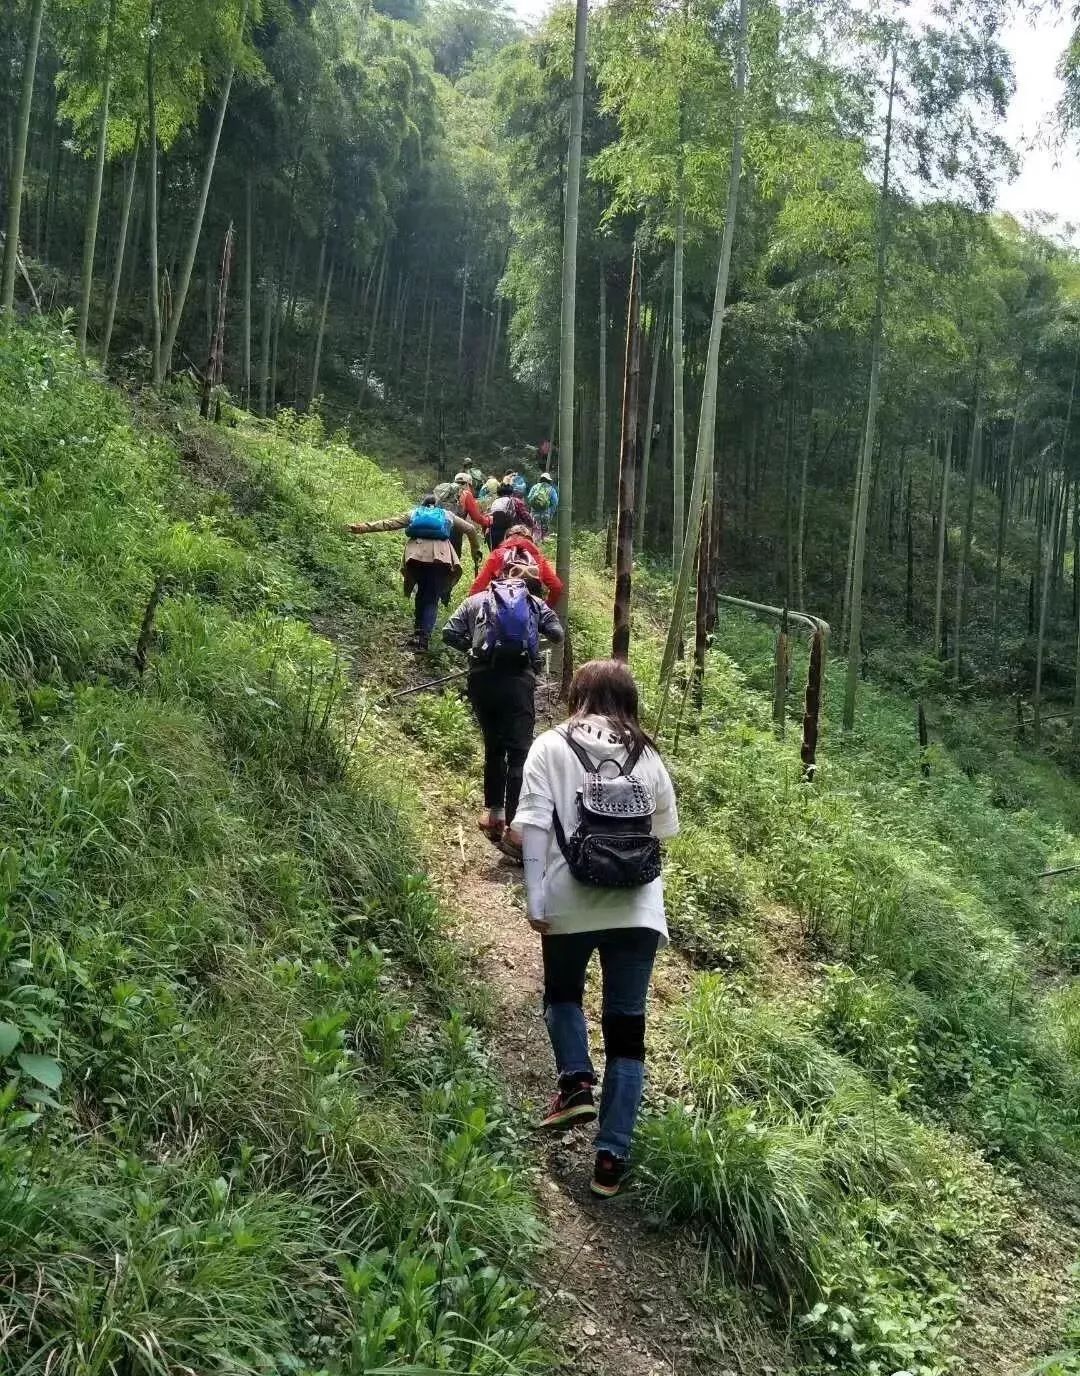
(518, 548)
(468, 506)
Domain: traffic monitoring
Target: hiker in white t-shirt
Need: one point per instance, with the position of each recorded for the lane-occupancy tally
(577, 916)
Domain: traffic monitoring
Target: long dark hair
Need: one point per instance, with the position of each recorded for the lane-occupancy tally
(606, 688)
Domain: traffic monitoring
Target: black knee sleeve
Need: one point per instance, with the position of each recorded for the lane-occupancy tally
(556, 991)
(624, 1035)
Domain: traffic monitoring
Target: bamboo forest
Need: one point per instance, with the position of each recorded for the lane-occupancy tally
(733, 348)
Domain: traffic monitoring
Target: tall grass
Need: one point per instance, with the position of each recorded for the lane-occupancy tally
(240, 1129)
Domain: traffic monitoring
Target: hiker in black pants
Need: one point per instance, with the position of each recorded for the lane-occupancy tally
(501, 629)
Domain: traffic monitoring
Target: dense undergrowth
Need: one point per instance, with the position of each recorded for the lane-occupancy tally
(245, 1124)
(834, 1135)
(838, 1134)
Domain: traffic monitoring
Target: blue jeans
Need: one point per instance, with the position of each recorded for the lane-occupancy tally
(627, 955)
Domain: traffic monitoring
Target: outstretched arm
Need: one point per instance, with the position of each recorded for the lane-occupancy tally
(379, 527)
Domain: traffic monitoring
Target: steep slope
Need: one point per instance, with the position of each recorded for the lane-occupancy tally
(245, 1123)
(265, 1084)
(886, 1013)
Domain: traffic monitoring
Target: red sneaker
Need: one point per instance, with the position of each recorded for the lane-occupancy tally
(608, 1175)
(572, 1104)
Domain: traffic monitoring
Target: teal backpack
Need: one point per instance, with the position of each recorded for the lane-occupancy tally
(430, 523)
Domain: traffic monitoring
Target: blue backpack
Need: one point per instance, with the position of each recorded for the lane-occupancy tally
(430, 523)
(509, 630)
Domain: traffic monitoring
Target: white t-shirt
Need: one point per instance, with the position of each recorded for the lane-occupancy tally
(553, 776)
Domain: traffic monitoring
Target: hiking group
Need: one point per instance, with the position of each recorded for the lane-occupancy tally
(583, 807)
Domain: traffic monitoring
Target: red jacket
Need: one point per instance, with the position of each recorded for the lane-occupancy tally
(496, 561)
(471, 510)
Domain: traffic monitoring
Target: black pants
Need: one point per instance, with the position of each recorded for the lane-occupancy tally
(504, 703)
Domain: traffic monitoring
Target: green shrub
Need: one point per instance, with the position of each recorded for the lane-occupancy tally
(443, 724)
(758, 1184)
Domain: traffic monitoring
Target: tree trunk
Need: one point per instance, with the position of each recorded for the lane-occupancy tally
(602, 401)
(215, 364)
(1040, 644)
(646, 457)
(812, 706)
(121, 250)
(567, 318)
(629, 454)
(1003, 525)
(319, 337)
(969, 529)
(849, 567)
(427, 362)
(93, 205)
(249, 256)
(461, 320)
(200, 209)
(942, 540)
(781, 669)
(851, 684)
(789, 539)
(909, 534)
(152, 200)
(703, 460)
(678, 436)
(800, 536)
(269, 293)
(373, 326)
(18, 159)
(701, 599)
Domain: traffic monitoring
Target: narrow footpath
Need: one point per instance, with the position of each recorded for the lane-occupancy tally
(622, 1292)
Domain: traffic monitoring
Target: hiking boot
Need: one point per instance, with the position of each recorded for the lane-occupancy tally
(608, 1175)
(572, 1104)
(510, 845)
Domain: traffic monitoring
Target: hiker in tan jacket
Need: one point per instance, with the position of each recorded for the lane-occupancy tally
(430, 565)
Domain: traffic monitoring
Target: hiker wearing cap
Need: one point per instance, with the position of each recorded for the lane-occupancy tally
(487, 492)
(500, 629)
(543, 502)
(595, 803)
(431, 565)
(508, 510)
(519, 547)
(457, 497)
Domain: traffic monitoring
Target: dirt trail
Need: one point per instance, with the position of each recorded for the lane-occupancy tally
(618, 1288)
(621, 1291)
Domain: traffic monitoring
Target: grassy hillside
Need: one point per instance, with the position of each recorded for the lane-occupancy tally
(245, 1125)
(886, 1013)
(248, 1122)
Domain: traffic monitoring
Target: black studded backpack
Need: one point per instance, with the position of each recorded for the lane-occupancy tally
(613, 846)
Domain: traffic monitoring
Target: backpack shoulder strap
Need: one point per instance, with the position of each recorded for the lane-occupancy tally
(560, 835)
(587, 764)
(632, 760)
